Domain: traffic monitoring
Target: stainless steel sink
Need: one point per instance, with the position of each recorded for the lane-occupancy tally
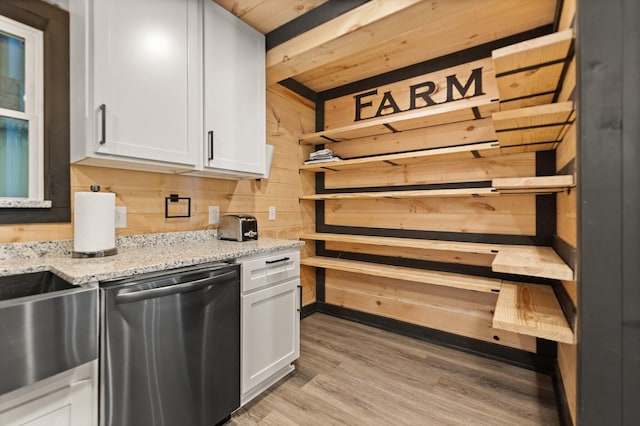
(47, 326)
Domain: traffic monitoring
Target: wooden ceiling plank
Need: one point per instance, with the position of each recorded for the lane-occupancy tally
(267, 15)
(448, 28)
(240, 7)
(338, 38)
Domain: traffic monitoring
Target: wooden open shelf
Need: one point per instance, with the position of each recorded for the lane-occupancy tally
(533, 261)
(463, 192)
(474, 150)
(532, 128)
(447, 279)
(532, 309)
(455, 246)
(528, 73)
(416, 119)
(529, 185)
(533, 184)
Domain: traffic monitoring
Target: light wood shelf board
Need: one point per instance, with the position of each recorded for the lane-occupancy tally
(534, 147)
(532, 67)
(537, 51)
(455, 246)
(530, 136)
(531, 309)
(556, 183)
(532, 261)
(526, 102)
(531, 84)
(447, 279)
(501, 186)
(525, 126)
(452, 112)
(391, 160)
(462, 192)
(540, 115)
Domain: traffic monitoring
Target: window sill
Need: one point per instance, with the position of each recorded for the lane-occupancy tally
(24, 203)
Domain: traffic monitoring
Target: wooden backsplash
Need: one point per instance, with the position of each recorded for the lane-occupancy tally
(144, 193)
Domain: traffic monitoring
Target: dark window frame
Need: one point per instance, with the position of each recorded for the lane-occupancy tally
(54, 23)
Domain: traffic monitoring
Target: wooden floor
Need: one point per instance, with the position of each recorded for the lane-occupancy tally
(352, 374)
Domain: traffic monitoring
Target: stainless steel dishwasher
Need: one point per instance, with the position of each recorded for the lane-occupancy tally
(170, 347)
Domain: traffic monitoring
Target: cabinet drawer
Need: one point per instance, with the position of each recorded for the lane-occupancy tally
(267, 270)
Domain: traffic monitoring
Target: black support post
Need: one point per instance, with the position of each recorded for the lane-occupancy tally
(608, 46)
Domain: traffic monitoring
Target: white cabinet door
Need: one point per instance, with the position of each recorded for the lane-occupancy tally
(69, 406)
(146, 74)
(270, 332)
(234, 93)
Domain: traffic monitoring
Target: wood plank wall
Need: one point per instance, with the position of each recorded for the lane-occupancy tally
(566, 226)
(143, 193)
(456, 311)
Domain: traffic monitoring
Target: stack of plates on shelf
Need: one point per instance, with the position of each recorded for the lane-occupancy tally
(322, 156)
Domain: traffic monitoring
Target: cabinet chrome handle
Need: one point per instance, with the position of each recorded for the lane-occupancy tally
(210, 136)
(103, 114)
(300, 295)
(269, 262)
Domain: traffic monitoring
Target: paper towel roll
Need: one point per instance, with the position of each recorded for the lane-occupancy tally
(94, 221)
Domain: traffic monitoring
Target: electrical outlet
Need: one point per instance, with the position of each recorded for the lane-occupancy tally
(214, 215)
(121, 217)
(272, 212)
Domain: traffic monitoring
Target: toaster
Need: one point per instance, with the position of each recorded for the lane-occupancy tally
(238, 227)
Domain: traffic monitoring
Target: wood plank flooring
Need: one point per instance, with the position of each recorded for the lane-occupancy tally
(352, 374)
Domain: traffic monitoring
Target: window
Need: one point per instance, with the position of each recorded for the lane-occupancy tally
(21, 111)
(53, 21)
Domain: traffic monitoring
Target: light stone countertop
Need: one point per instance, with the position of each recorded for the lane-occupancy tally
(145, 257)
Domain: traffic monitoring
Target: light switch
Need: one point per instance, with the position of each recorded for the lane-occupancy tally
(272, 212)
(214, 215)
(121, 217)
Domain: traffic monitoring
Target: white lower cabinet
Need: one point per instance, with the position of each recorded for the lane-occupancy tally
(67, 399)
(270, 321)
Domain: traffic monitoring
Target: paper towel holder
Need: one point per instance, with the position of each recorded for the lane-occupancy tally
(98, 253)
(89, 254)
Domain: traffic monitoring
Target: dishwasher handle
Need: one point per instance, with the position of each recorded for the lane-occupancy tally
(136, 296)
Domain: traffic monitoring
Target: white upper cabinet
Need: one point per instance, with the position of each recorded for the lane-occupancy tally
(173, 86)
(136, 83)
(234, 95)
